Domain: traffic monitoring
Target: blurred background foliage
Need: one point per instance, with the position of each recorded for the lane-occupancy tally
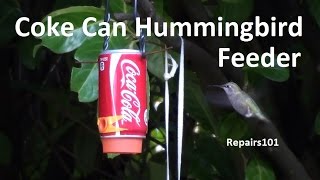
(48, 124)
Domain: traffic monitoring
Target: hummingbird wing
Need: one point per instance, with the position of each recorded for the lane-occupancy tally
(218, 98)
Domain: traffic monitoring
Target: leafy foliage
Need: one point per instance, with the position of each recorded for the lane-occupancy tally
(259, 169)
(60, 137)
(276, 73)
(235, 10)
(75, 15)
(9, 12)
(317, 124)
(232, 127)
(6, 149)
(314, 6)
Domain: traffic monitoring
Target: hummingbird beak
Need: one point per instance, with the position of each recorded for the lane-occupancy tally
(219, 86)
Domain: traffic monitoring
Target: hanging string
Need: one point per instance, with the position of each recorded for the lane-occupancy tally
(166, 97)
(142, 43)
(106, 19)
(167, 76)
(180, 106)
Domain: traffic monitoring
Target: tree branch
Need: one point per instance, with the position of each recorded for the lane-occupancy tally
(281, 156)
(123, 16)
(201, 61)
(211, 43)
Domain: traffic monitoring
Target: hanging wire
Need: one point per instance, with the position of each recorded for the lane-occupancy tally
(142, 43)
(180, 107)
(106, 19)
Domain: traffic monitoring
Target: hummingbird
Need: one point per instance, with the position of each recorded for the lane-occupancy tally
(241, 101)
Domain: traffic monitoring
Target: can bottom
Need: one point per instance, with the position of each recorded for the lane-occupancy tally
(122, 145)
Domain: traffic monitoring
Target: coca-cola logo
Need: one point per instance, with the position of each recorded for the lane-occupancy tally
(130, 102)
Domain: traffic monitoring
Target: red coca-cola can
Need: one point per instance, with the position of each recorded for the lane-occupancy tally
(123, 114)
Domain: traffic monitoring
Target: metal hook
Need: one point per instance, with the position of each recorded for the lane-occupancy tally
(142, 44)
(106, 19)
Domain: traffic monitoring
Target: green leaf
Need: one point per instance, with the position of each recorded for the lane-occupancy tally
(9, 13)
(158, 5)
(258, 169)
(56, 104)
(119, 6)
(25, 49)
(84, 81)
(91, 48)
(158, 134)
(62, 44)
(59, 4)
(216, 159)
(36, 49)
(200, 168)
(160, 8)
(156, 60)
(76, 15)
(112, 155)
(314, 8)
(37, 143)
(6, 150)
(317, 124)
(195, 102)
(276, 73)
(235, 10)
(157, 171)
(86, 150)
(232, 126)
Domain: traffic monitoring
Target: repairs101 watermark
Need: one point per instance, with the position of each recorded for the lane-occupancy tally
(265, 142)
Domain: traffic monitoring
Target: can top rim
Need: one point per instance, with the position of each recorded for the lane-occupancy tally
(122, 51)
